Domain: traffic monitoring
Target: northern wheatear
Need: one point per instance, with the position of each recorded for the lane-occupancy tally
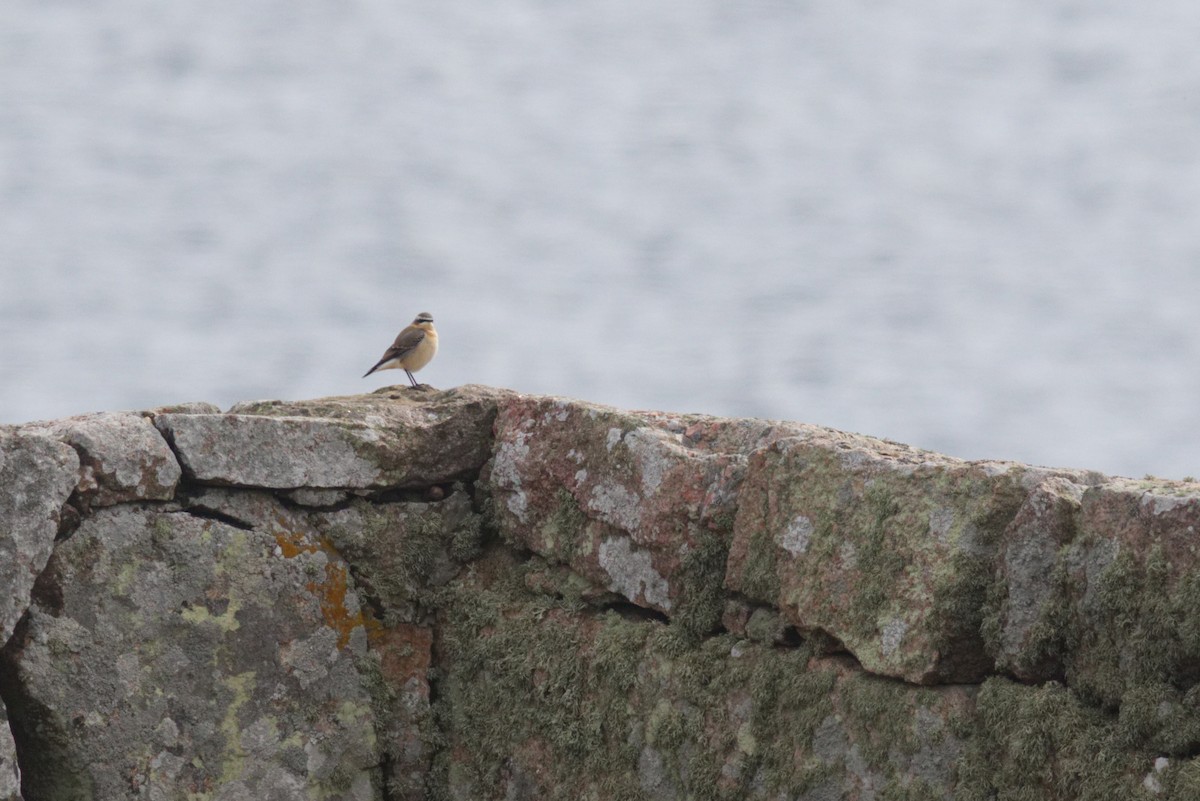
(412, 350)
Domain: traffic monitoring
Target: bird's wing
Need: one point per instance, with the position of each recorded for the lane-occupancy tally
(408, 339)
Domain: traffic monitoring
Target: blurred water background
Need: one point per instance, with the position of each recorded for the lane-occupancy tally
(973, 227)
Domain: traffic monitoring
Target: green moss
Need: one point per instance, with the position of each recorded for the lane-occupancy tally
(1185, 600)
(1054, 634)
(789, 703)
(879, 561)
(523, 675)
(337, 785)
(485, 506)
(760, 577)
(382, 695)
(466, 539)
(1183, 782)
(746, 717)
(1035, 743)
(666, 728)
(617, 653)
(564, 530)
(879, 714)
(1141, 631)
(960, 594)
(396, 559)
(579, 698)
(906, 790)
(701, 580)
(993, 615)
(724, 521)
(576, 698)
(424, 540)
(764, 626)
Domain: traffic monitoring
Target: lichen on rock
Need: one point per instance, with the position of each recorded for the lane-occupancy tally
(478, 594)
(219, 650)
(122, 457)
(37, 476)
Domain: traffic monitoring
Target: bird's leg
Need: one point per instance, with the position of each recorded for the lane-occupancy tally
(410, 378)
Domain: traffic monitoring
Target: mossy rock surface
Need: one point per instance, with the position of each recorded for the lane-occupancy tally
(889, 549)
(477, 594)
(640, 504)
(540, 699)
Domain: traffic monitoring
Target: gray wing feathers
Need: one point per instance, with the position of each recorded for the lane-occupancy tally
(408, 339)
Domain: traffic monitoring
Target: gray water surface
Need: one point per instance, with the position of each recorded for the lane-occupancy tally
(972, 227)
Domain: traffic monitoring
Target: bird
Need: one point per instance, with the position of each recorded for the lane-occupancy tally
(414, 347)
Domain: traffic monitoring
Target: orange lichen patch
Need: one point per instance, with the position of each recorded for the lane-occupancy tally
(293, 543)
(332, 595)
(332, 590)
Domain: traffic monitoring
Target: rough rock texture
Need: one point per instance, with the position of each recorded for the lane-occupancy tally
(553, 702)
(887, 548)
(1103, 592)
(122, 457)
(1030, 552)
(37, 475)
(388, 439)
(396, 553)
(477, 594)
(640, 504)
(10, 775)
(170, 653)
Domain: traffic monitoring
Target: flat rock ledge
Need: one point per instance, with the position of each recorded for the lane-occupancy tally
(479, 594)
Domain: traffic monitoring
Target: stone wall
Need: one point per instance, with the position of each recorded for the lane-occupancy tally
(477, 594)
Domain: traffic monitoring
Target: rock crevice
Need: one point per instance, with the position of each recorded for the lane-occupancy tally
(478, 594)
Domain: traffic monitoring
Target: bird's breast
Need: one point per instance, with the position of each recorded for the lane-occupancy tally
(422, 353)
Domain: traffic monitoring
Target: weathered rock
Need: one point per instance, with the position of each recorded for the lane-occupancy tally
(122, 457)
(402, 550)
(641, 504)
(1029, 637)
(1101, 590)
(37, 475)
(389, 439)
(541, 700)
(188, 407)
(318, 497)
(10, 776)
(887, 548)
(170, 655)
(649, 606)
(396, 552)
(1135, 568)
(1044, 744)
